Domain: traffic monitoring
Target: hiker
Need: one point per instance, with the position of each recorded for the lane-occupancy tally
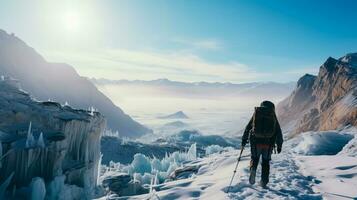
(263, 132)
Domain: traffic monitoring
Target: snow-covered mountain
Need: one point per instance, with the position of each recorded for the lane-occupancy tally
(46, 148)
(196, 89)
(324, 102)
(61, 83)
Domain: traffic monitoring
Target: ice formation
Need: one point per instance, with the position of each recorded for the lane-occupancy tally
(213, 149)
(47, 140)
(38, 189)
(41, 142)
(30, 140)
(0, 153)
(149, 171)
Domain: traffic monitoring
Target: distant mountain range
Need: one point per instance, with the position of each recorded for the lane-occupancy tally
(167, 82)
(61, 83)
(265, 89)
(324, 102)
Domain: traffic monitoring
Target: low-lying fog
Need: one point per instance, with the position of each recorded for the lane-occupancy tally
(212, 108)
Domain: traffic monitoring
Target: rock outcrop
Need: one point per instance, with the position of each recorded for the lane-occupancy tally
(324, 102)
(48, 141)
(61, 83)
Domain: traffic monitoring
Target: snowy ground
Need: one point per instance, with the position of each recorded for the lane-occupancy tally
(336, 175)
(294, 175)
(213, 178)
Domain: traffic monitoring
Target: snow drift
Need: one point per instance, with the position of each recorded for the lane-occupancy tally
(320, 143)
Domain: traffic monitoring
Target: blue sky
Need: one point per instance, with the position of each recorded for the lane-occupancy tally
(211, 40)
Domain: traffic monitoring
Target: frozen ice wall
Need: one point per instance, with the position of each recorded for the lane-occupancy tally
(47, 140)
(144, 169)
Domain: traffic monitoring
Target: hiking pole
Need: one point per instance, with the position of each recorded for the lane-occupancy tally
(235, 169)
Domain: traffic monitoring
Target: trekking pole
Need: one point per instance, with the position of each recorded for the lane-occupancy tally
(235, 169)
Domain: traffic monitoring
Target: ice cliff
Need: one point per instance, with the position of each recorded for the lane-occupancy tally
(46, 143)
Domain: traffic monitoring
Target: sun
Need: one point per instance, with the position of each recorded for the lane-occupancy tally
(72, 21)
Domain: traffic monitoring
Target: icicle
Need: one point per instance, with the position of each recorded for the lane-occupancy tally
(40, 141)
(0, 153)
(14, 191)
(30, 140)
(192, 152)
(86, 154)
(4, 185)
(156, 179)
(29, 129)
(91, 109)
(152, 191)
(99, 168)
(151, 184)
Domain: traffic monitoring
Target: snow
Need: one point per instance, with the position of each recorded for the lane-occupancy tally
(336, 176)
(350, 148)
(320, 143)
(301, 171)
(212, 180)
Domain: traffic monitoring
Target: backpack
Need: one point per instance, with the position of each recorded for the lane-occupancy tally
(264, 121)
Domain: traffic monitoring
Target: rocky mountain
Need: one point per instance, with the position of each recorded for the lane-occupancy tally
(46, 146)
(323, 102)
(61, 83)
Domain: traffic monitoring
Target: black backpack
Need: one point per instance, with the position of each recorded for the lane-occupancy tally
(264, 121)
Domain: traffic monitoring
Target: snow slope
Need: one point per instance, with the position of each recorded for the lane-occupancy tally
(294, 174)
(212, 180)
(337, 175)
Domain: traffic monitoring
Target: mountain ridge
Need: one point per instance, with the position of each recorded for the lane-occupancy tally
(60, 82)
(323, 102)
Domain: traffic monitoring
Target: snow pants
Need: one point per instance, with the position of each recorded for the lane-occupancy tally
(264, 151)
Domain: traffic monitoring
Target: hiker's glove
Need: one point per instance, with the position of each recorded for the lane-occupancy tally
(244, 142)
(279, 149)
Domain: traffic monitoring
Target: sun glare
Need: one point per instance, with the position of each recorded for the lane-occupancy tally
(72, 21)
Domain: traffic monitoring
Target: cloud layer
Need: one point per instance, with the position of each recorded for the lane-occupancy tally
(134, 64)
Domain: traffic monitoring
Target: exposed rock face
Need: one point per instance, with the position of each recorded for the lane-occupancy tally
(122, 185)
(59, 141)
(61, 83)
(324, 102)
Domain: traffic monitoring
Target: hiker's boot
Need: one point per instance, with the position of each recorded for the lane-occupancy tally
(253, 171)
(265, 173)
(263, 184)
